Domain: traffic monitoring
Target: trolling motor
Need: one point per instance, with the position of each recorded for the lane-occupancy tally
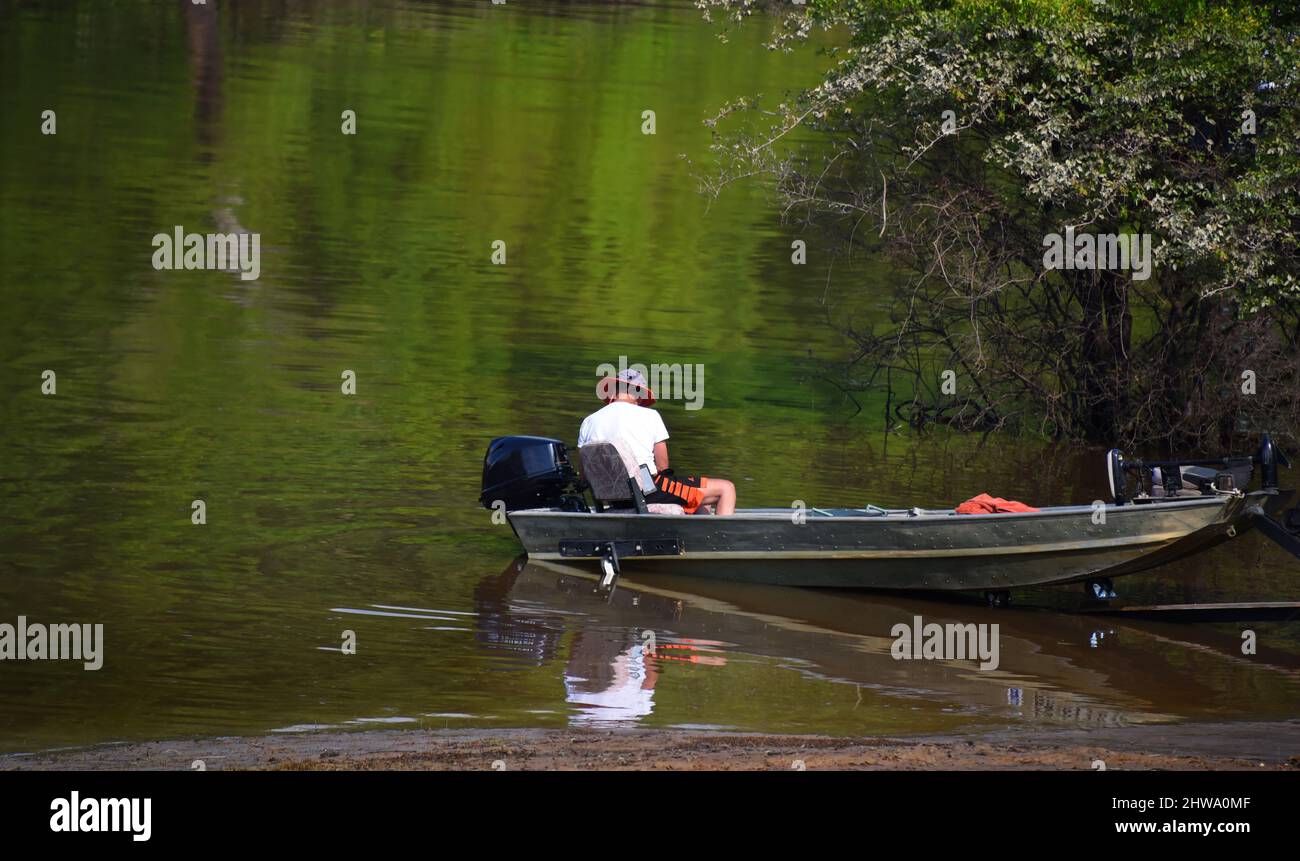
(1268, 458)
(1115, 475)
(1167, 478)
(1173, 478)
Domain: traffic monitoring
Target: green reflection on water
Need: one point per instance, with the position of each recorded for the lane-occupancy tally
(475, 124)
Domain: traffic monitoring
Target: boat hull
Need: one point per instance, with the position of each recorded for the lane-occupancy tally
(938, 551)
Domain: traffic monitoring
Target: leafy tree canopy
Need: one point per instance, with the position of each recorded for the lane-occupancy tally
(960, 134)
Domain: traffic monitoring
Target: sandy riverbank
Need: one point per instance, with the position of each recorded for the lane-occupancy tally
(1183, 747)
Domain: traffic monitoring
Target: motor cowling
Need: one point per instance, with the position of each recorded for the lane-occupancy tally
(527, 472)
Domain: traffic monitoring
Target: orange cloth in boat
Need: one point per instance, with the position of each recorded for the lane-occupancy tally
(985, 504)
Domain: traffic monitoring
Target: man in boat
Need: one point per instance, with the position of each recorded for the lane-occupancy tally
(626, 416)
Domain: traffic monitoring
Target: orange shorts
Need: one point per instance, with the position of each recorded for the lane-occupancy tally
(688, 491)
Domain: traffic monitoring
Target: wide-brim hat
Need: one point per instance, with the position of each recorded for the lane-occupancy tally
(629, 382)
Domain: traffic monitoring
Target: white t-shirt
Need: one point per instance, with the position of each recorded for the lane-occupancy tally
(638, 427)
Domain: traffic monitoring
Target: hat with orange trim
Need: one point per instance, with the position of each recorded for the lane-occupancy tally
(628, 382)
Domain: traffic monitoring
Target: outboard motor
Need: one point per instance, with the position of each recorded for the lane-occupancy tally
(529, 472)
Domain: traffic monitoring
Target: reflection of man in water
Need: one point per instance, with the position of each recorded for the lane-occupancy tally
(611, 681)
(618, 688)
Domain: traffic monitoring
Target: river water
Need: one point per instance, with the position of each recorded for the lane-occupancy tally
(329, 512)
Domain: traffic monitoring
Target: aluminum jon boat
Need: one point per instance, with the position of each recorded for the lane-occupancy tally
(1177, 508)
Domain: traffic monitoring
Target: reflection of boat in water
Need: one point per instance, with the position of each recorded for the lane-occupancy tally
(1180, 508)
(1054, 668)
(611, 672)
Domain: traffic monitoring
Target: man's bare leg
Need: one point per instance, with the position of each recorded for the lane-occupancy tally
(720, 494)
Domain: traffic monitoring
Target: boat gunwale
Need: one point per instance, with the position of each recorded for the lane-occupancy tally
(896, 515)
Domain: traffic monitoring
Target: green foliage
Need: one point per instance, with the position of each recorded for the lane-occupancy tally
(1177, 119)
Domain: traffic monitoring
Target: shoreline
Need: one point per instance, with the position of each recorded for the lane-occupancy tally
(1181, 747)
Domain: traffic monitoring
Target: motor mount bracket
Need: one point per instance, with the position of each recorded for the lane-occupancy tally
(623, 548)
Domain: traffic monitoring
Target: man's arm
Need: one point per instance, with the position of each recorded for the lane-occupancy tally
(661, 456)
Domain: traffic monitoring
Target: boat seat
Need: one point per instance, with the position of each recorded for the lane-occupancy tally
(612, 472)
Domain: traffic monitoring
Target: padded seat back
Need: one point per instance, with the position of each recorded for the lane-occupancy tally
(607, 466)
(604, 470)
